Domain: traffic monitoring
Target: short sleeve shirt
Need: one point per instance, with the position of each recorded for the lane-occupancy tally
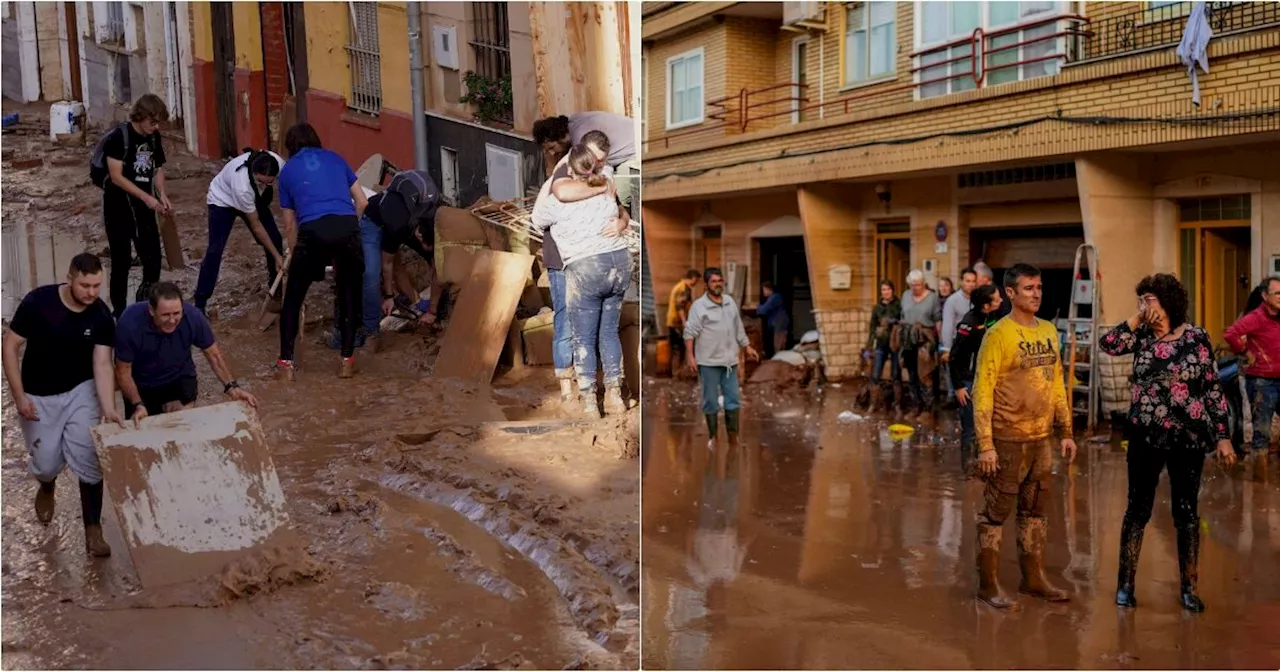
(60, 341)
(144, 156)
(317, 183)
(159, 358)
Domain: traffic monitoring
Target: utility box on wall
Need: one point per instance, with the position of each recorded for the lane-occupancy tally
(840, 276)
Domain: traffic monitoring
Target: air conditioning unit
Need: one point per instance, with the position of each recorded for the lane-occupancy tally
(799, 12)
(444, 46)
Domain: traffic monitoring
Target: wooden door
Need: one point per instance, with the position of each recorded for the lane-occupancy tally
(224, 68)
(1226, 278)
(893, 262)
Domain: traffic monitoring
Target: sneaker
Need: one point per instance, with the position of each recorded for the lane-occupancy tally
(284, 370)
(347, 368)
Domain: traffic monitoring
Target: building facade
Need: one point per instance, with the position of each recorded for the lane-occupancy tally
(825, 145)
(491, 70)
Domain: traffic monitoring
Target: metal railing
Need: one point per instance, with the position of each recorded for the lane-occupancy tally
(491, 44)
(981, 48)
(1162, 26)
(365, 59)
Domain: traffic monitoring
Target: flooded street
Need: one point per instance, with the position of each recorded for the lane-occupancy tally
(445, 527)
(817, 543)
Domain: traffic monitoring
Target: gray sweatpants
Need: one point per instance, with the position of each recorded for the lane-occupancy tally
(61, 436)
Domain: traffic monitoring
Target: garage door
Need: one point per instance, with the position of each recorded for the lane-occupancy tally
(1052, 252)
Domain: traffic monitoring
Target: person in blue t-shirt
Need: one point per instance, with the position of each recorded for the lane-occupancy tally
(154, 367)
(322, 204)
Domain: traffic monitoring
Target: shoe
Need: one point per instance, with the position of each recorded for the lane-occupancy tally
(989, 538)
(94, 542)
(347, 367)
(1032, 532)
(731, 422)
(1188, 565)
(44, 503)
(613, 400)
(284, 370)
(568, 391)
(713, 424)
(590, 405)
(1130, 550)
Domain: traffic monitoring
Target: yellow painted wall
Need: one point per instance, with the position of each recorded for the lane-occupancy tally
(247, 25)
(202, 31)
(393, 45)
(326, 41)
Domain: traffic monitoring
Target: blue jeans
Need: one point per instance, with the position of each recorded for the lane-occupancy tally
(562, 345)
(967, 434)
(371, 292)
(717, 381)
(877, 365)
(594, 289)
(221, 221)
(1264, 396)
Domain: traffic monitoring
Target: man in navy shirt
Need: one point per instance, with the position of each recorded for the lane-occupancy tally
(154, 367)
(64, 386)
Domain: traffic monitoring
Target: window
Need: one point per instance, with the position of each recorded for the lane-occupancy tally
(491, 44)
(870, 41)
(684, 89)
(364, 58)
(114, 33)
(1011, 56)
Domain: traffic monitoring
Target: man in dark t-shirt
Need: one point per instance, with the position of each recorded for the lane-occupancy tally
(133, 195)
(64, 386)
(154, 367)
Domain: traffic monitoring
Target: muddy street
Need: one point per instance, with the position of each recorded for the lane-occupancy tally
(446, 527)
(818, 543)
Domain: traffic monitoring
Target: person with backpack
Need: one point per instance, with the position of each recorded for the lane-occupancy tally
(403, 215)
(128, 164)
(243, 190)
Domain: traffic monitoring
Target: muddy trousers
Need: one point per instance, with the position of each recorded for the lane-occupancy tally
(1021, 482)
(130, 223)
(1264, 398)
(221, 222)
(330, 239)
(1148, 455)
(594, 289)
(61, 439)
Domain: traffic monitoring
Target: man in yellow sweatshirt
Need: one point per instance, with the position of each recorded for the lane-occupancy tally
(1019, 399)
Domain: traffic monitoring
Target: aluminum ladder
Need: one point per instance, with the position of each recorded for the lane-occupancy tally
(1084, 330)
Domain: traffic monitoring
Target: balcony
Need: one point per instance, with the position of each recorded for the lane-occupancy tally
(1162, 26)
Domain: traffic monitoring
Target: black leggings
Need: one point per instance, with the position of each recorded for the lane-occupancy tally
(1149, 455)
(331, 239)
(129, 222)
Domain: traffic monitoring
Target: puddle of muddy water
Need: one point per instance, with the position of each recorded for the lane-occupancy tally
(821, 544)
(33, 256)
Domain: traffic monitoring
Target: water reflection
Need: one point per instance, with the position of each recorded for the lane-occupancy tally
(33, 256)
(820, 544)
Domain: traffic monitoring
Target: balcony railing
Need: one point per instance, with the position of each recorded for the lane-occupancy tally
(1163, 25)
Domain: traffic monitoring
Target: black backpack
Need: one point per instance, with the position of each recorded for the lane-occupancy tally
(98, 173)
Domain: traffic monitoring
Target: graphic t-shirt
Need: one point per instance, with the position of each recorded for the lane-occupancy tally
(1019, 393)
(144, 158)
(316, 183)
(60, 341)
(159, 358)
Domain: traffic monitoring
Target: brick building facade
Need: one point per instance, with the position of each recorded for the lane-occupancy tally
(867, 136)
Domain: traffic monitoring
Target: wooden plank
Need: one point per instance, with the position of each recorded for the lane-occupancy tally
(172, 243)
(482, 316)
(193, 490)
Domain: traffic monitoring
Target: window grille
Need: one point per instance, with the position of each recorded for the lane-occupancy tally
(491, 42)
(115, 24)
(993, 178)
(364, 58)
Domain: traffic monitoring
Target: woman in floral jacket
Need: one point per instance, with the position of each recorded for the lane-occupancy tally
(1177, 414)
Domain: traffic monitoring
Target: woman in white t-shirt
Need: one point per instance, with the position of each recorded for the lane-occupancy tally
(243, 190)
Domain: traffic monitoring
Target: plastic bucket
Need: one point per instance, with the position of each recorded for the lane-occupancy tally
(65, 117)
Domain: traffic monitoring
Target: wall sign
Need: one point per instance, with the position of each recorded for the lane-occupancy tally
(940, 231)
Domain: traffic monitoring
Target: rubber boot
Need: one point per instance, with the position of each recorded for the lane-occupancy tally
(568, 391)
(347, 367)
(91, 496)
(94, 543)
(590, 405)
(989, 538)
(1032, 532)
(713, 424)
(896, 402)
(731, 422)
(968, 451)
(1130, 549)
(877, 398)
(1189, 565)
(614, 404)
(44, 502)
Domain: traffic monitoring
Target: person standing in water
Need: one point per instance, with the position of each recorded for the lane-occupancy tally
(776, 322)
(1019, 399)
(714, 337)
(963, 361)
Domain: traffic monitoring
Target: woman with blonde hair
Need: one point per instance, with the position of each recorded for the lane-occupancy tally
(597, 268)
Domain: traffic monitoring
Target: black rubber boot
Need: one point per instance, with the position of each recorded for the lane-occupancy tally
(91, 495)
(731, 422)
(1189, 565)
(713, 427)
(1130, 549)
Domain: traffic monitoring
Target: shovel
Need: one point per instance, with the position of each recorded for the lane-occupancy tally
(280, 274)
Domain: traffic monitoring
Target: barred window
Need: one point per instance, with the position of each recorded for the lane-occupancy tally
(364, 58)
(115, 24)
(491, 42)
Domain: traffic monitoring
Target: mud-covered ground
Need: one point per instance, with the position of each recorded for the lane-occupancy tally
(446, 527)
(822, 543)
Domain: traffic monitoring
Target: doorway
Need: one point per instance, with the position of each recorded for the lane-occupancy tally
(708, 248)
(1214, 252)
(224, 68)
(893, 254)
(783, 262)
(799, 75)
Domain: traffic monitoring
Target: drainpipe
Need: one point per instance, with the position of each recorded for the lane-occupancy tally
(417, 86)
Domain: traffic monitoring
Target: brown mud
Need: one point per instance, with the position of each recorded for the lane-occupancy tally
(445, 527)
(817, 543)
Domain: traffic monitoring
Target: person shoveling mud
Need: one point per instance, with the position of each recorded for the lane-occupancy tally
(64, 386)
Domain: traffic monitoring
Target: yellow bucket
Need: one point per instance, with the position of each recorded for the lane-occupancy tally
(901, 431)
